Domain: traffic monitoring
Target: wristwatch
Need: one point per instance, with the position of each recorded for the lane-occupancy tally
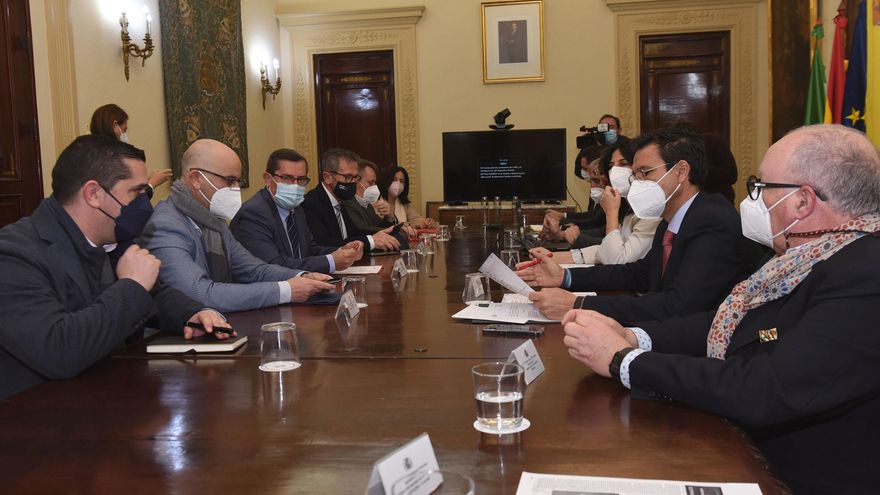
(614, 367)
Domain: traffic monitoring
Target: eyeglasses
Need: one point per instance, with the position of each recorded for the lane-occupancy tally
(230, 180)
(754, 186)
(291, 179)
(348, 178)
(642, 174)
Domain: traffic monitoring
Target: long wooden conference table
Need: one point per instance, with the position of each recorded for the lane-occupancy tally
(138, 423)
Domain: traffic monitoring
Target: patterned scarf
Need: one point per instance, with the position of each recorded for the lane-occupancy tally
(779, 277)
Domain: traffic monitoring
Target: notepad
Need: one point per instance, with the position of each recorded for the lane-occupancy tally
(173, 344)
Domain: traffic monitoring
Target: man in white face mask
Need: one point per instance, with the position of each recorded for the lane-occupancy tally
(273, 227)
(369, 212)
(200, 257)
(699, 235)
(792, 354)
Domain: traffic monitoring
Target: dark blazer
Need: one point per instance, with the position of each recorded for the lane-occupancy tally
(57, 318)
(709, 255)
(365, 219)
(323, 224)
(593, 218)
(811, 398)
(258, 227)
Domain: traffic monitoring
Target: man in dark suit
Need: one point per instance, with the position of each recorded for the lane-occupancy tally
(273, 227)
(699, 235)
(65, 304)
(328, 220)
(793, 353)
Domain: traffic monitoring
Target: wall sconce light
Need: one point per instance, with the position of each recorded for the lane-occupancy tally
(131, 49)
(264, 81)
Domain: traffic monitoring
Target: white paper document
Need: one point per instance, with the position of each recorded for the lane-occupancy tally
(501, 273)
(553, 484)
(574, 265)
(359, 270)
(519, 298)
(503, 313)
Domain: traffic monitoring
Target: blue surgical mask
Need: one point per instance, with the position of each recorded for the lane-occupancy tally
(610, 136)
(289, 196)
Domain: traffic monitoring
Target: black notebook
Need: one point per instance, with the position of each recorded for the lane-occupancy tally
(173, 344)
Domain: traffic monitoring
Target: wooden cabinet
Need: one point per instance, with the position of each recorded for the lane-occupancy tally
(473, 214)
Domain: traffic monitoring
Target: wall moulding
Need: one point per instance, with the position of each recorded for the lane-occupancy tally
(636, 18)
(305, 35)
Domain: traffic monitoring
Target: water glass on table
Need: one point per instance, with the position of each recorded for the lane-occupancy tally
(498, 391)
(279, 348)
(476, 289)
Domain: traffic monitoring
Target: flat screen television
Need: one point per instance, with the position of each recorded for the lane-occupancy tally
(528, 163)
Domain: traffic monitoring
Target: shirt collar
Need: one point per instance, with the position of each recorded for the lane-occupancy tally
(283, 213)
(675, 223)
(333, 200)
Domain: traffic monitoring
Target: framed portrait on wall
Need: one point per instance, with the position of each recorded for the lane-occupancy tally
(513, 41)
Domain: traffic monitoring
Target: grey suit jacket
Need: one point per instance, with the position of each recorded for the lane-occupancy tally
(173, 238)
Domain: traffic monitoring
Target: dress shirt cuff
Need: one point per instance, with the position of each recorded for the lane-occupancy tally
(577, 257)
(624, 366)
(566, 278)
(645, 342)
(284, 296)
(372, 244)
(331, 262)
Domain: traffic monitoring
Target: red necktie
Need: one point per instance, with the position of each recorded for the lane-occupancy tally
(668, 237)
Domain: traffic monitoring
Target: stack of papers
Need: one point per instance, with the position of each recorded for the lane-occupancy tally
(547, 484)
(519, 313)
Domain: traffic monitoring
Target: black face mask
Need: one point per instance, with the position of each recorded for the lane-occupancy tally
(132, 217)
(345, 190)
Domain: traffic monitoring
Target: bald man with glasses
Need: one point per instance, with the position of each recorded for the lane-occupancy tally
(200, 257)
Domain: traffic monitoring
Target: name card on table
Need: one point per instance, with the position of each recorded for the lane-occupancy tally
(527, 356)
(406, 462)
(348, 306)
(399, 271)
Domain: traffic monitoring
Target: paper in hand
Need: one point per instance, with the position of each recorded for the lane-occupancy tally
(495, 269)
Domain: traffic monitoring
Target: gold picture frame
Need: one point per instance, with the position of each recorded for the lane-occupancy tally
(513, 41)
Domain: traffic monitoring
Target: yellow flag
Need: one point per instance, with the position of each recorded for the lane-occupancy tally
(872, 96)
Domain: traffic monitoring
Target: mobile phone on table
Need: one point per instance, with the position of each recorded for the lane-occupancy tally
(532, 331)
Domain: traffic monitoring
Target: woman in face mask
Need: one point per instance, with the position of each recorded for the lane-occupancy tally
(627, 237)
(110, 120)
(394, 187)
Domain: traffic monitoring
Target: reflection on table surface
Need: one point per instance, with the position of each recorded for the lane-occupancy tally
(200, 424)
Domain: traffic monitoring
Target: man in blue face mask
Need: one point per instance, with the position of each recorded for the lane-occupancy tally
(273, 226)
(66, 303)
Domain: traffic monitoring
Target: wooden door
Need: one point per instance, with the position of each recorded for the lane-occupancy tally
(21, 187)
(685, 78)
(355, 107)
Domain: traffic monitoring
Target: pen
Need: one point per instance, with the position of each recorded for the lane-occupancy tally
(534, 262)
(199, 326)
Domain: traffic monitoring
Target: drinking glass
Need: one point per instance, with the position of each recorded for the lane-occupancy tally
(498, 391)
(358, 286)
(438, 482)
(459, 222)
(511, 239)
(410, 259)
(427, 240)
(476, 289)
(510, 257)
(443, 233)
(279, 349)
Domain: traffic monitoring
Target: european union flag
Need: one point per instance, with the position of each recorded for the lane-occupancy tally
(853, 112)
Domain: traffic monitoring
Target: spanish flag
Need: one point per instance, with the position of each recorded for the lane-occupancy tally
(853, 114)
(836, 72)
(872, 99)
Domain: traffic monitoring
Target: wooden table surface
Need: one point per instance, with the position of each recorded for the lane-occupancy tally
(160, 424)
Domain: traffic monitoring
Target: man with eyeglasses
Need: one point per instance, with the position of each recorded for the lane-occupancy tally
(329, 222)
(200, 257)
(792, 355)
(273, 227)
(698, 251)
(369, 212)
